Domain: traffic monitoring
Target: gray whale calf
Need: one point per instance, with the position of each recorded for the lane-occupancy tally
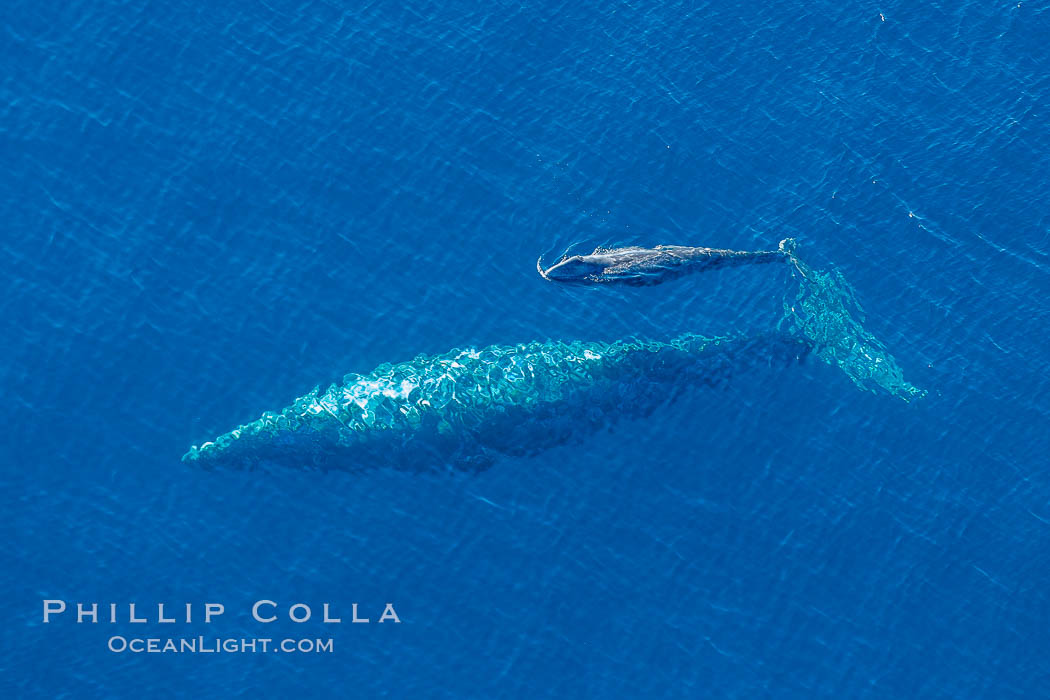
(648, 266)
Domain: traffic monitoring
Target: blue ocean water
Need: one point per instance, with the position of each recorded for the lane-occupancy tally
(211, 209)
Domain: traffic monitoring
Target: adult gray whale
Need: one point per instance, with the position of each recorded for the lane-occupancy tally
(647, 266)
(463, 408)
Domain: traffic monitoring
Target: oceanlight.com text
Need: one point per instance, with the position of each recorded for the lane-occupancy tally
(217, 645)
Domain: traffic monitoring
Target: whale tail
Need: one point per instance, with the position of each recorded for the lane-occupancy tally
(825, 313)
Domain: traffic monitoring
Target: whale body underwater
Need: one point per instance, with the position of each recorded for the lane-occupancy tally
(464, 408)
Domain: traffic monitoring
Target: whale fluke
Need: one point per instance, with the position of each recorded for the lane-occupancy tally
(825, 312)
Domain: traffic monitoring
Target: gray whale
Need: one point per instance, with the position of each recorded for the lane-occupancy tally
(464, 408)
(648, 266)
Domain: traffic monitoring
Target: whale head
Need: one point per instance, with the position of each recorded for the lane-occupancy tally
(573, 268)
